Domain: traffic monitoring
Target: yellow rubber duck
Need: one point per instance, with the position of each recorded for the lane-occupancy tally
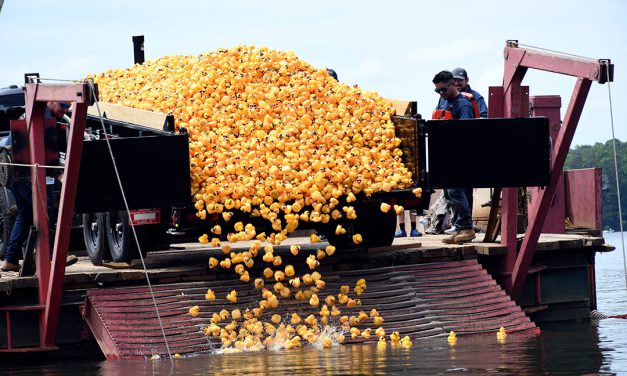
(452, 338)
(501, 334)
(382, 344)
(327, 342)
(406, 342)
(210, 295)
(232, 296)
(395, 338)
(193, 311)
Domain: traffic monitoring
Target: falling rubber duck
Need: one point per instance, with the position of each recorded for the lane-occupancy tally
(194, 311)
(452, 338)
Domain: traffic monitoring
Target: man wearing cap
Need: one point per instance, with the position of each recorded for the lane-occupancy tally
(453, 105)
(22, 191)
(460, 77)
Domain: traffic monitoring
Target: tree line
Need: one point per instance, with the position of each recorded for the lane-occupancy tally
(602, 155)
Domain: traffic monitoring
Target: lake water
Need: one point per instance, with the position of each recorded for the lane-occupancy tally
(561, 349)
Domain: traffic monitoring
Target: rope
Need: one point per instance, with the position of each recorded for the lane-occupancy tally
(39, 79)
(620, 211)
(556, 52)
(30, 165)
(117, 174)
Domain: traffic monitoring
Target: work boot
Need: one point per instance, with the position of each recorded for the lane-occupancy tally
(461, 236)
(71, 260)
(415, 233)
(400, 234)
(10, 267)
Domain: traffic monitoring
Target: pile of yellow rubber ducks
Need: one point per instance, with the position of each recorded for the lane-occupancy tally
(270, 135)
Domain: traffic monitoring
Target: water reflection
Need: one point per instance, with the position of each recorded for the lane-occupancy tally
(561, 349)
(568, 349)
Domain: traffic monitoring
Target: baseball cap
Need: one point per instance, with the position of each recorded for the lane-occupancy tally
(64, 105)
(460, 73)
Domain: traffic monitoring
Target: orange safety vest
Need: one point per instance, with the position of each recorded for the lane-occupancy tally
(448, 114)
(473, 101)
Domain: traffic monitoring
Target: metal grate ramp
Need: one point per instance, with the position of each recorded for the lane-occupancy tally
(420, 300)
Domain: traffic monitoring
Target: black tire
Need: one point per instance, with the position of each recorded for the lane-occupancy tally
(7, 218)
(6, 170)
(95, 236)
(120, 237)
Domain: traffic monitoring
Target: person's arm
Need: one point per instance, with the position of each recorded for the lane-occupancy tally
(483, 108)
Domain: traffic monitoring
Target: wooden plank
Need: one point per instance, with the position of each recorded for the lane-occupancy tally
(148, 119)
(404, 108)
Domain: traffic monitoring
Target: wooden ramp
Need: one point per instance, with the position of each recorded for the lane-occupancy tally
(420, 300)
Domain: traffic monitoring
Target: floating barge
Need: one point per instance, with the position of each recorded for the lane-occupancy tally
(422, 288)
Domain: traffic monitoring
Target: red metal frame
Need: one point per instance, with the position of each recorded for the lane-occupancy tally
(50, 276)
(549, 106)
(517, 61)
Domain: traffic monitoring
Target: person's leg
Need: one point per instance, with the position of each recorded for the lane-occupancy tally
(413, 221)
(401, 233)
(21, 227)
(458, 200)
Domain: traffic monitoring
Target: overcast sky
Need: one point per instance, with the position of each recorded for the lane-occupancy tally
(392, 47)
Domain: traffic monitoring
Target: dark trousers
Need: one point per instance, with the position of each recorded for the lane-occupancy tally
(461, 202)
(22, 191)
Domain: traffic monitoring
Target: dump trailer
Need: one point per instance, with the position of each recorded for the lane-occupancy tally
(439, 153)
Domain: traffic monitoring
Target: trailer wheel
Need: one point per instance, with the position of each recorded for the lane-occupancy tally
(120, 237)
(95, 236)
(7, 218)
(6, 169)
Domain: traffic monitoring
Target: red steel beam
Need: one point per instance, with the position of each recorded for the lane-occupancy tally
(51, 284)
(35, 116)
(517, 62)
(557, 63)
(99, 330)
(64, 220)
(541, 206)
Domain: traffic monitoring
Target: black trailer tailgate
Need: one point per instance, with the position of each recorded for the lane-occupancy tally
(153, 168)
(488, 152)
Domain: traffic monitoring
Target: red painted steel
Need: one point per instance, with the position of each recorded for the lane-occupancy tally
(584, 201)
(64, 220)
(549, 106)
(540, 208)
(517, 61)
(422, 300)
(35, 116)
(50, 283)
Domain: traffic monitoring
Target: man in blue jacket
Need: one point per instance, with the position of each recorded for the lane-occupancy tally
(454, 105)
(460, 77)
